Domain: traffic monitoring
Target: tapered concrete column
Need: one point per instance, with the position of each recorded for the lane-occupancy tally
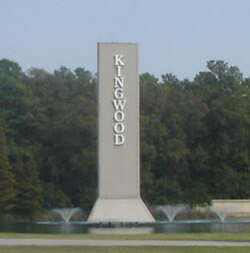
(118, 136)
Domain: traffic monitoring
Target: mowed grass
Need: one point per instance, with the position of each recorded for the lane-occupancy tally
(160, 236)
(34, 249)
(146, 249)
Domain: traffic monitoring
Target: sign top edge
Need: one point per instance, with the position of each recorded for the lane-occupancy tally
(117, 43)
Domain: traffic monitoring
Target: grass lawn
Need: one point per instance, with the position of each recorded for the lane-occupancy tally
(170, 249)
(33, 249)
(186, 236)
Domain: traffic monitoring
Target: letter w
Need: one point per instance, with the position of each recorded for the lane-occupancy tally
(119, 104)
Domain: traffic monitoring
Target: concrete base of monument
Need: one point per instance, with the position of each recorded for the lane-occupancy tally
(120, 210)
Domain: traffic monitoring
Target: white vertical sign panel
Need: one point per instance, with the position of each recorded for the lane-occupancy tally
(118, 109)
(118, 136)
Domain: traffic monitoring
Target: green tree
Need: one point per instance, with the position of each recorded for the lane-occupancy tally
(170, 79)
(225, 137)
(29, 187)
(7, 180)
(9, 68)
(148, 79)
(66, 131)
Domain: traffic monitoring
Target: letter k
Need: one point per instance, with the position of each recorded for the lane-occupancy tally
(118, 59)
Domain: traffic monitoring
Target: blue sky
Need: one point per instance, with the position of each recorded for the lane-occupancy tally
(174, 36)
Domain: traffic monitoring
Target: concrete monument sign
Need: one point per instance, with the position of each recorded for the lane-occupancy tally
(118, 136)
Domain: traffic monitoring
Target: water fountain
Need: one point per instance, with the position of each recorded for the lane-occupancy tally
(221, 212)
(172, 210)
(74, 221)
(67, 213)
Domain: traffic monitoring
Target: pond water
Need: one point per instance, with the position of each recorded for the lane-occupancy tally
(184, 226)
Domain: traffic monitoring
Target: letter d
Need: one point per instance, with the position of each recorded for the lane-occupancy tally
(119, 139)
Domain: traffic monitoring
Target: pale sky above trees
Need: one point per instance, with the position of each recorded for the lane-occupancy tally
(174, 36)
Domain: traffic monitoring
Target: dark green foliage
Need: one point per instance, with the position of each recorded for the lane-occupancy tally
(194, 137)
(7, 180)
(29, 188)
(198, 133)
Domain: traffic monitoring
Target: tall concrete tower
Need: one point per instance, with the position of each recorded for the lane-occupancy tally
(118, 136)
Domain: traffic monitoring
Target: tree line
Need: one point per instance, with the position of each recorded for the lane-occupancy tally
(195, 143)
